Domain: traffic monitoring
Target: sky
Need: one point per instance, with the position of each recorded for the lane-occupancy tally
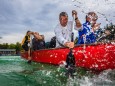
(18, 16)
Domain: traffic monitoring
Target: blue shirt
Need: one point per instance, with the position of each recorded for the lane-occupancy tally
(86, 30)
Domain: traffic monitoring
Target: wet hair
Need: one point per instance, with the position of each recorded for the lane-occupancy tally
(28, 32)
(92, 14)
(63, 14)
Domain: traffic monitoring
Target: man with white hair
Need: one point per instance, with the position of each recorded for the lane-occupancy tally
(63, 30)
(86, 31)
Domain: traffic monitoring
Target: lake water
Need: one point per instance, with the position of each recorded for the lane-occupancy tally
(14, 71)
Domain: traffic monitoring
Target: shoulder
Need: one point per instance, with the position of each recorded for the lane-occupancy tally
(84, 24)
(69, 22)
(26, 36)
(57, 28)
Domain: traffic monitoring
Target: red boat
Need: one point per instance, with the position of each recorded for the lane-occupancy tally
(99, 56)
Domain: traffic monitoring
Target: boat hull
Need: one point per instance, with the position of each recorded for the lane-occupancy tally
(96, 56)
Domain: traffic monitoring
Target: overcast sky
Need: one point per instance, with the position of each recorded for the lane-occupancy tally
(18, 16)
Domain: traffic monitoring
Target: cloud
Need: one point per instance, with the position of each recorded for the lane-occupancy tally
(18, 16)
(11, 38)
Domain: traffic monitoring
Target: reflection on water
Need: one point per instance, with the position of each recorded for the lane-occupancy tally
(15, 71)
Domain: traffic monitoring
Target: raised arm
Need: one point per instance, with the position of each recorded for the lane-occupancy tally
(39, 37)
(78, 23)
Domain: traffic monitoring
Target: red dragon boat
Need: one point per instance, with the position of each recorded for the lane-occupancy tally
(100, 56)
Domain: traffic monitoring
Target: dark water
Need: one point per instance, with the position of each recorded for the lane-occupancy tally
(14, 71)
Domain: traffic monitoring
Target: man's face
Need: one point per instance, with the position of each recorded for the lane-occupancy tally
(63, 20)
(28, 33)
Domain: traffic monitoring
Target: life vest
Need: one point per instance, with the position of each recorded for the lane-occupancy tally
(26, 39)
(90, 36)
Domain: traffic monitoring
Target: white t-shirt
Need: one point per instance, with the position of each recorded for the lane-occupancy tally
(63, 34)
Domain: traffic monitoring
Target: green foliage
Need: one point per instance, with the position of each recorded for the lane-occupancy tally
(16, 46)
(4, 46)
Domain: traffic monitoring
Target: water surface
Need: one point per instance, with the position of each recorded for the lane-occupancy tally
(14, 71)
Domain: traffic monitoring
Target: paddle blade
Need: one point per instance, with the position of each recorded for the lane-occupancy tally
(70, 60)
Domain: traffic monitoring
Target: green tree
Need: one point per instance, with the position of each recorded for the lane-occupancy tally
(12, 46)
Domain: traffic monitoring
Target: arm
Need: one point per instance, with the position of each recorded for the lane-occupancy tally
(107, 32)
(78, 23)
(61, 39)
(96, 26)
(39, 37)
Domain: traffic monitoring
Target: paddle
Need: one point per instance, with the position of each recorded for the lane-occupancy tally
(30, 51)
(70, 59)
